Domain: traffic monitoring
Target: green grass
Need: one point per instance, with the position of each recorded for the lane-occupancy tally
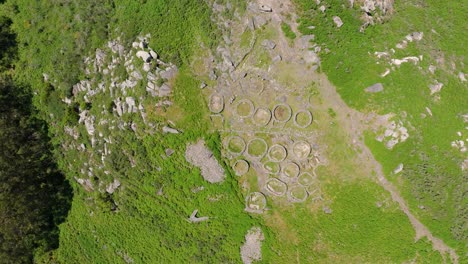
(287, 31)
(357, 230)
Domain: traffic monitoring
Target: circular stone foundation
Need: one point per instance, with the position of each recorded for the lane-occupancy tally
(235, 145)
(216, 104)
(257, 148)
(303, 118)
(241, 167)
(306, 179)
(272, 167)
(297, 194)
(282, 113)
(255, 201)
(276, 187)
(245, 108)
(301, 149)
(291, 170)
(261, 117)
(277, 153)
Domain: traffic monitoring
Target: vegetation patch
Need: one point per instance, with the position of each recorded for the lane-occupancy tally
(287, 31)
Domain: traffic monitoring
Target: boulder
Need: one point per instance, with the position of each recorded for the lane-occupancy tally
(146, 67)
(277, 58)
(170, 130)
(417, 36)
(169, 73)
(153, 54)
(398, 169)
(165, 90)
(338, 22)
(435, 88)
(311, 57)
(265, 8)
(304, 41)
(375, 88)
(461, 76)
(145, 56)
(169, 152)
(113, 186)
(213, 75)
(259, 21)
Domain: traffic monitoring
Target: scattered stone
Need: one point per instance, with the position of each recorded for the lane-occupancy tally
(169, 73)
(167, 129)
(86, 183)
(198, 189)
(338, 22)
(432, 68)
(310, 57)
(213, 75)
(268, 44)
(429, 111)
(113, 186)
(402, 45)
(100, 57)
(251, 250)
(391, 143)
(327, 210)
(277, 58)
(169, 152)
(146, 67)
(203, 85)
(200, 156)
(412, 59)
(304, 41)
(417, 36)
(265, 8)
(398, 169)
(464, 165)
(322, 8)
(435, 88)
(387, 72)
(251, 24)
(194, 219)
(375, 88)
(153, 54)
(461, 76)
(165, 90)
(260, 21)
(145, 56)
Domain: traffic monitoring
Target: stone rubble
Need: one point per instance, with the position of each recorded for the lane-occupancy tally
(200, 156)
(251, 250)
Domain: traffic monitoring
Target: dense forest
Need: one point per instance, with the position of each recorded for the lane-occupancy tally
(34, 195)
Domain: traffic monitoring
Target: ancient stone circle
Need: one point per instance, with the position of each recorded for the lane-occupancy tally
(266, 135)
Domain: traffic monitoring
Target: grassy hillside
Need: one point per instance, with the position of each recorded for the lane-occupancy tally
(145, 219)
(432, 180)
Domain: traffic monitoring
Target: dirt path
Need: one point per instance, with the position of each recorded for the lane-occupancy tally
(354, 122)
